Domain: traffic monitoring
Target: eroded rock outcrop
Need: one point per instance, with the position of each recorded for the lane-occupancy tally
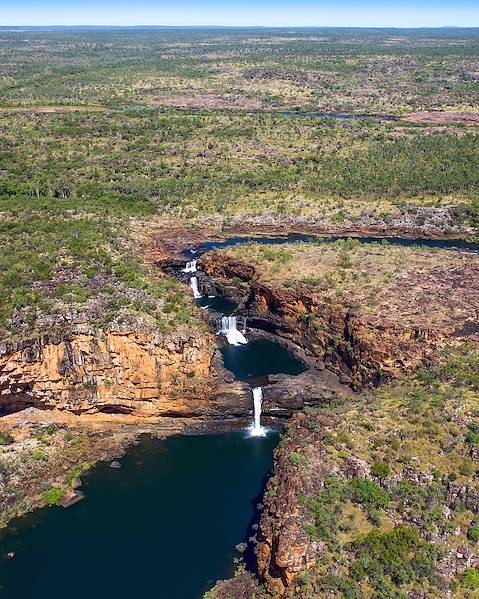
(132, 372)
(284, 549)
(330, 330)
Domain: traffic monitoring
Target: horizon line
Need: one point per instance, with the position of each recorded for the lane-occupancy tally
(86, 26)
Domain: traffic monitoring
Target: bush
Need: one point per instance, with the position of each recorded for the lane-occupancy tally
(294, 458)
(470, 579)
(472, 436)
(347, 587)
(399, 554)
(6, 439)
(53, 496)
(38, 456)
(381, 470)
(311, 530)
(376, 518)
(368, 494)
(473, 533)
(77, 472)
(326, 507)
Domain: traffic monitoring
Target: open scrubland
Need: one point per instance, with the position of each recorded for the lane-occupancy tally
(96, 135)
(116, 144)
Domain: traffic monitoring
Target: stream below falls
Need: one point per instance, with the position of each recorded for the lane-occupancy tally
(166, 524)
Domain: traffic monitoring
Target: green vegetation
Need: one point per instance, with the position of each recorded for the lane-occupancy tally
(390, 560)
(470, 579)
(54, 496)
(104, 134)
(77, 472)
(473, 533)
(381, 470)
(294, 458)
(58, 255)
(39, 456)
(41, 467)
(369, 494)
(393, 530)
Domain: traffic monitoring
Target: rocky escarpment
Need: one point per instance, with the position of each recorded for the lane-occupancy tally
(379, 494)
(331, 330)
(139, 373)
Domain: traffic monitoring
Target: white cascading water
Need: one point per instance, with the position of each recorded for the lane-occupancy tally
(230, 331)
(256, 430)
(244, 325)
(190, 266)
(194, 286)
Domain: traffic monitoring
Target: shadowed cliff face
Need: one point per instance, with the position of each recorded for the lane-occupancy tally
(111, 372)
(330, 330)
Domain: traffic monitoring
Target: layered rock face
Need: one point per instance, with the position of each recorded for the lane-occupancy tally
(136, 373)
(284, 549)
(332, 331)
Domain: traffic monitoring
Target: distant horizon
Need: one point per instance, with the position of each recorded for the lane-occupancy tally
(159, 26)
(364, 14)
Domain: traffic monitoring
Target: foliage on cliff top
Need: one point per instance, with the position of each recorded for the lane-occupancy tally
(101, 128)
(43, 462)
(414, 286)
(401, 530)
(61, 266)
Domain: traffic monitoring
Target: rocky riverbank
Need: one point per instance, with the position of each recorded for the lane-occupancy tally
(365, 312)
(377, 495)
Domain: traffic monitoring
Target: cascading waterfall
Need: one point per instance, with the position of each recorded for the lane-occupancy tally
(244, 324)
(194, 286)
(230, 331)
(190, 266)
(256, 430)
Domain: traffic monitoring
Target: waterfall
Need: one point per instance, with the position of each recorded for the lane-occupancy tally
(256, 430)
(194, 286)
(230, 331)
(244, 324)
(190, 266)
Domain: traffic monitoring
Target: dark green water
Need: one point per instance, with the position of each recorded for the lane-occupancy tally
(163, 526)
(217, 303)
(259, 358)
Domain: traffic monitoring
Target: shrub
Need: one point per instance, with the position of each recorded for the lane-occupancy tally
(381, 470)
(311, 530)
(325, 508)
(77, 472)
(399, 554)
(470, 579)
(368, 494)
(472, 436)
(6, 439)
(347, 587)
(376, 518)
(473, 533)
(294, 458)
(38, 456)
(53, 496)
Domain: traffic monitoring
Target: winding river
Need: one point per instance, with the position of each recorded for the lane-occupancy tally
(166, 523)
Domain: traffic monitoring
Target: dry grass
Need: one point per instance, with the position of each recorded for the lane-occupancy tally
(416, 286)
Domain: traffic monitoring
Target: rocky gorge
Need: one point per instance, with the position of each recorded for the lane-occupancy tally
(129, 377)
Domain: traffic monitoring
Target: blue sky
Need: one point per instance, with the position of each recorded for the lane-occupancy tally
(349, 13)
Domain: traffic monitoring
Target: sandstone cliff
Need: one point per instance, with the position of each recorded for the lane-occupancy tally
(126, 372)
(333, 331)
